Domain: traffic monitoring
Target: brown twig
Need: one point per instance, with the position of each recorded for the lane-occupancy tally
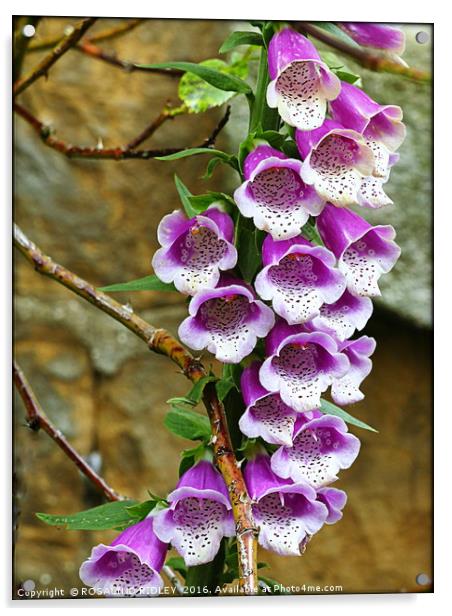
(373, 62)
(37, 419)
(160, 341)
(103, 35)
(89, 49)
(57, 52)
(117, 153)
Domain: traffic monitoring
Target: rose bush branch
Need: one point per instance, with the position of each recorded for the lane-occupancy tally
(371, 61)
(57, 52)
(38, 420)
(160, 341)
(117, 153)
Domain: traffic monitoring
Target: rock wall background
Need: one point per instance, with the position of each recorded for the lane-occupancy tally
(107, 393)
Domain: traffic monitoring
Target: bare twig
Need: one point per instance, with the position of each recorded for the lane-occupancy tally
(57, 52)
(160, 341)
(117, 153)
(166, 114)
(374, 62)
(103, 35)
(37, 419)
(89, 49)
(173, 580)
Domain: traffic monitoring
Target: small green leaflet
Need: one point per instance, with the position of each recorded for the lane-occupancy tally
(142, 510)
(187, 424)
(104, 517)
(235, 39)
(331, 409)
(148, 283)
(274, 587)
(201, 202)
(197, 390)
(309, 231)
(177, 563)
(223, 387)
(218, 79)
(189, 457)
(184, 195)
(339, 68)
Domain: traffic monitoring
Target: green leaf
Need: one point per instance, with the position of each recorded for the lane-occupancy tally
(184, 195)
(187, 424)
(211, 166)
(216, 78)
(148, 283)
(223, 387)
(196, 392)
(349, 77)
(249, 246)
(189, 457)
(104, 517)
(201, 202)
(276, 588)
(142, 510)
(235, 39)
(331, 28)
(178, 564)
(194, 152)
(331, 409)
(198, 95)
(309, 231)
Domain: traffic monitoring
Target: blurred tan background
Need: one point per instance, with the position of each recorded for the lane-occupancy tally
(103, 388)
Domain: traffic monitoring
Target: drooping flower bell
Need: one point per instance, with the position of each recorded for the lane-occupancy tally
(377, 36)
(335, 160)
(321, 447)
(343, 317)
(274, 195)
(226, 320)
(300, 365)
(286, 513)
(129, 566)
(301, 83)
(298, 278)
(266, 415)
(345, 390)
(194, 250)
(334, 500)
(355, 109)
(199, 515)
(363, 252)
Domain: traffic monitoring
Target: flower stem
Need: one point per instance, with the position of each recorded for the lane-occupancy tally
(261, 115)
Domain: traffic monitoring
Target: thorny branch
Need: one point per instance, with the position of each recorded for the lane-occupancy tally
(57, 52)
(160, 341)
(117, 153)
(373, 62)
(37, 420)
